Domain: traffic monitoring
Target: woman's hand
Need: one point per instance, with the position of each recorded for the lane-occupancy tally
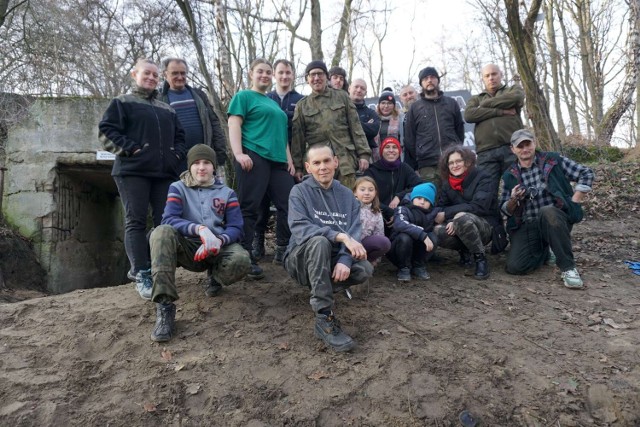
(451, 230)
(244, 161)
(439, 218)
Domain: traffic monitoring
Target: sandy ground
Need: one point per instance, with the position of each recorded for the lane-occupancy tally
(512, 350)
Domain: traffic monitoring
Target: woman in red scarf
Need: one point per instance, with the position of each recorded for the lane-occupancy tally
(470, 208)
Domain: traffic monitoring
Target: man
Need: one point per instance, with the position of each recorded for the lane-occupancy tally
(325, 253)
(200, 122)
(368, 118)
(196, 238)
(287, 98)
(338, 78)
(408, 96)
(329, 117)
(433, 123)
(496, 113)
(541, 208)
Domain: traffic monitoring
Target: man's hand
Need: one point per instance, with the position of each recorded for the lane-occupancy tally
(209, 240)
(517, 193)
(439, 218)
(298, 176)
(509, 112)
(428, 244)
(394, 202)
(363, 165)
(578, 197)
(340, 273)
(357, 250)
(201, 254)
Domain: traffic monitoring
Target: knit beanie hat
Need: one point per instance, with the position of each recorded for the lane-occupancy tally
(201, 152)
(337, 71)
(426, 190)
(390, 140)
(315, 64)
(387, 96)
(429, 71)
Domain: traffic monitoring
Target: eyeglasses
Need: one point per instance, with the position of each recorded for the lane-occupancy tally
(316, 74)
(178, 73)
(455, 162)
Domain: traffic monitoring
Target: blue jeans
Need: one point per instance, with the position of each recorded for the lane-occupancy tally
(137, 193)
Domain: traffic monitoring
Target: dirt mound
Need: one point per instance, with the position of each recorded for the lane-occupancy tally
(21, 275)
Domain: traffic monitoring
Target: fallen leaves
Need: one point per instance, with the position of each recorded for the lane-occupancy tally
(149, 407)
(166, 355)
(318, 375)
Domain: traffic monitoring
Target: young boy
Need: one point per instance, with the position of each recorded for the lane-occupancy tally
(412, 238)
(201, 230)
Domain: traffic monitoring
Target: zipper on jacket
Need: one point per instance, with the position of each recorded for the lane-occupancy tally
(435, 113)
(159, 133)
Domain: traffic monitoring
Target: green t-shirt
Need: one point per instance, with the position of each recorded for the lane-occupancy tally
(264, 124)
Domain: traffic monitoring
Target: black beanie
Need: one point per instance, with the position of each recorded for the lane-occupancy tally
(429, 71)
(315, 64)
(337, 71)
(201, 152)
(387, 96)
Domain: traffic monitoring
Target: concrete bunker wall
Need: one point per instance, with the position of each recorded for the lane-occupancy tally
(57, 194)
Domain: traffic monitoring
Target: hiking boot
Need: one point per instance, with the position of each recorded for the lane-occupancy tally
(328, 329)
(256, 272)
(465, 259)
(165, 322)
(212, 288)
(404, 274)
(144, 284)
(420, 273)
(572, 279)
(257, 246)
(482, 267)
(551, 259)
(278, 255)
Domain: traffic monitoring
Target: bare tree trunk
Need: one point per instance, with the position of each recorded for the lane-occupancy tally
(5, 10)
(315, 41)
(555, 72)
(522, 41)
(345, 21)
(225, 74)
(605, 129)
(568, 93)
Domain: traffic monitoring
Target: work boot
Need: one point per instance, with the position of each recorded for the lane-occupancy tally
(404, 274)
(420, 273)
(328, 330)
(278, 255)
(465, 259)
(213, 288)
(257, 246)
(165, 322)
(482, 267)
(144, 284)
(256, 272)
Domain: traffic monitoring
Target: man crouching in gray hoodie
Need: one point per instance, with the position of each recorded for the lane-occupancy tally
(325, 253)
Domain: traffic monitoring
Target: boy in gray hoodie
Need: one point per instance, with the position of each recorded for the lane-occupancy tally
(325, 253)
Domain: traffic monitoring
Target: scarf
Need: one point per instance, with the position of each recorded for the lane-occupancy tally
(456, 181)
(390, 166)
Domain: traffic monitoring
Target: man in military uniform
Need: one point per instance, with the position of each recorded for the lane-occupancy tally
(329, 117)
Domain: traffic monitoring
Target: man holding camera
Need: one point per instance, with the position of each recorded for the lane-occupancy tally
(541, 208)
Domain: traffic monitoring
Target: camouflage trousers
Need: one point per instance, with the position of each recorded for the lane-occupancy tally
(170, 249)
(471, 234)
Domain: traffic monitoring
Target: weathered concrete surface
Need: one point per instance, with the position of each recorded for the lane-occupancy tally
(57, 194)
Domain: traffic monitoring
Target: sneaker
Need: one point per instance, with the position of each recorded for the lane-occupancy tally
(572, 279)
(278, 255)
(404, 274)
(551, 259)
(257, 246)
(212, 288)
(144, 284)
(328, 329)
(420, 273)
(256, 272)
(165, 322)
(131, 275)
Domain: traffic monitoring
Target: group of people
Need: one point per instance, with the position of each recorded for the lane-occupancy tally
(350, 185)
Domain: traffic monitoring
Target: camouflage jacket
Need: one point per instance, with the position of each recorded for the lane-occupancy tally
(329, 118)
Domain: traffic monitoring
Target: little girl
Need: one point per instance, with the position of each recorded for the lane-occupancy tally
(373, 238)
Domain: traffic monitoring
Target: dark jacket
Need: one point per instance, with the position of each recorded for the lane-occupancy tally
(288, 105)
(493, 128)
(477, 197)
(370, 129)
(211, 129)
(432, 125)
(557, 184)
(414, 221)
(392, 183)
(138, 121)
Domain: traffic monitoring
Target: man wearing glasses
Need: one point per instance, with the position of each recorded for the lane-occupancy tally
(541, 207)
(199, 121)
(328, 116)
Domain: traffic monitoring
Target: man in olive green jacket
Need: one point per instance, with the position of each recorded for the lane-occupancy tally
(329, 117)
(496, 114)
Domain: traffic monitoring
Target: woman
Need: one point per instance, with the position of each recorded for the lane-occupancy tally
(391, 121)
(148, 141)
(394, 178)
(469, 208)
(263, 165)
